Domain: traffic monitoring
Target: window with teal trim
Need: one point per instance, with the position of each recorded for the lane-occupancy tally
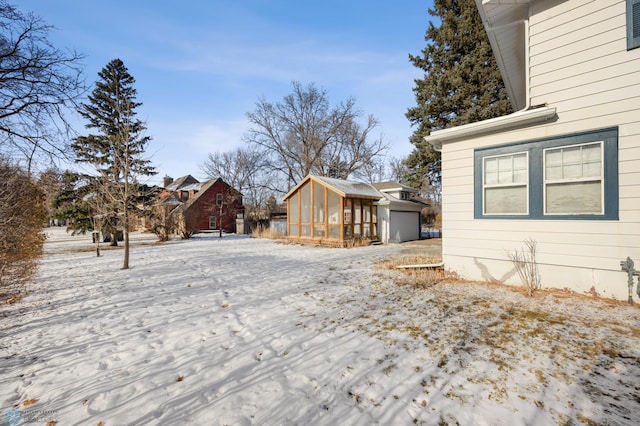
(572, 177)
(505, 181)
(633, 24)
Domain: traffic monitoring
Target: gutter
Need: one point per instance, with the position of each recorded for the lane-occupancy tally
(506, 122)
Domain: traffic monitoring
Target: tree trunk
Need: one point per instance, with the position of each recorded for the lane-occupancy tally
(220, 216)
(125, 264)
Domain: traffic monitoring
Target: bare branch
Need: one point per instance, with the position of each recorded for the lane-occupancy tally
(39, 86)
(303, 134)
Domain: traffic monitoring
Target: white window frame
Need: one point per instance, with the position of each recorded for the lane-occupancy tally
(547, 182)
(485, 186)
(215, 222)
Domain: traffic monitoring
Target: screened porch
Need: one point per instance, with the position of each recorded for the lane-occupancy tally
(331, 210)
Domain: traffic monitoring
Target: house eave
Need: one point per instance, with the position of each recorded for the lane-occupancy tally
(507, 25)
(493, 125)
(504, 22)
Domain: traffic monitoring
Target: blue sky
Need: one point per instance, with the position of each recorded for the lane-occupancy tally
(200, 66)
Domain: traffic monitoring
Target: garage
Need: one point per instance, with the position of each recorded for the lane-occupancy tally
(404, 226)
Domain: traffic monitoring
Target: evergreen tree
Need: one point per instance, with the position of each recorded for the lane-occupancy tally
(116, 150)
(73, 203)
(461, 84)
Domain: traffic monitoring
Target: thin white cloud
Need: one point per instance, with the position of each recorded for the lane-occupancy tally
(181, 146)
(218, 137)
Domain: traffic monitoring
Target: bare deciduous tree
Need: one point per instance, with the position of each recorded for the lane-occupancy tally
(38, 83)
(375, 171)
(397, 169)
(244, 170)
(163, 223)
(304, 134)
(50, 183)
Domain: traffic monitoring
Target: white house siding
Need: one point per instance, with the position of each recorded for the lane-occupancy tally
(579, 65)
(579, 255)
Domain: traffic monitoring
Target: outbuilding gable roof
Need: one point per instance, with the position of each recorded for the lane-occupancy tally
(403, 205)
(345, 188)
(393, 186)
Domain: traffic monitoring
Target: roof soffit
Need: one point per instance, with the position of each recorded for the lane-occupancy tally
(503, 22)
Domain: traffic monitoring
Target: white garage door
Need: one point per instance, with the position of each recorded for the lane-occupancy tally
(404, 226)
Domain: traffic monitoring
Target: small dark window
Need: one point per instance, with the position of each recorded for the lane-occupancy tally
(633, 24)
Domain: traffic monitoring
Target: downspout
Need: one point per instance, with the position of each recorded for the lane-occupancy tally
(527, 70)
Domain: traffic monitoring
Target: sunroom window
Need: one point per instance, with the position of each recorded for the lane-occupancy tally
(573, 179)
(505, 181)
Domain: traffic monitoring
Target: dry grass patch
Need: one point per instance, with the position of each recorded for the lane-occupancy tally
(419, 277)
(267, 232)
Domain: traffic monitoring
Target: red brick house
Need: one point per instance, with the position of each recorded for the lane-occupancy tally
(203, 205)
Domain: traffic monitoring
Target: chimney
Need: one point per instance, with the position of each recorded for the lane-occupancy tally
(166, 181)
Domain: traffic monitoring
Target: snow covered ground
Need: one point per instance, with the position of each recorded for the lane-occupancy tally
(240, 331)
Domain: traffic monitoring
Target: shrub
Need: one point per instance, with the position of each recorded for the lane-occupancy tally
(163, 223)
(266, 231)
(526, 265)
(22, 218)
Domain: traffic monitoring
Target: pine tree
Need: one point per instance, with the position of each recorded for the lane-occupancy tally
(116, 151)
(462, 83)
(72, 203)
